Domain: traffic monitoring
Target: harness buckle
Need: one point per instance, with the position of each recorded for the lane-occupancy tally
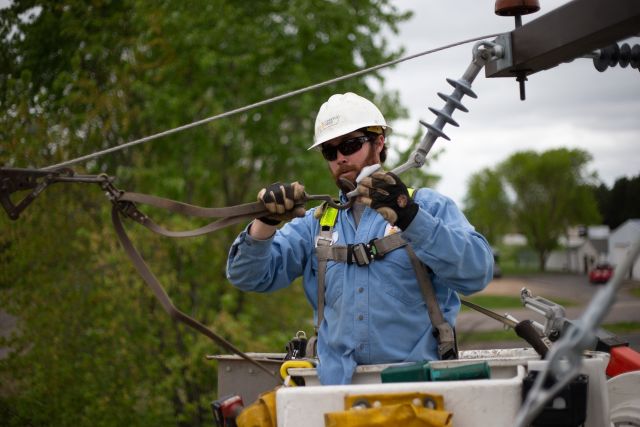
(374, 252)
(323, 241)
(363, 253)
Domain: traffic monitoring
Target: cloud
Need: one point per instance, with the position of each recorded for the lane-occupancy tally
(571, 105)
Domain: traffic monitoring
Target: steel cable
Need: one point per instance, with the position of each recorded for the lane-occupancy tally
(261, 103)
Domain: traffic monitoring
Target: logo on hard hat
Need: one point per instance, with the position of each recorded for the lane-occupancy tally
(331, 121)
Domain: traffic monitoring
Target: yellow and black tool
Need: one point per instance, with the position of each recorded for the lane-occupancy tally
(289, 381)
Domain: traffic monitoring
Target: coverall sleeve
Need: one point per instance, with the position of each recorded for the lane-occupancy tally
(272, 264)
(444, 240)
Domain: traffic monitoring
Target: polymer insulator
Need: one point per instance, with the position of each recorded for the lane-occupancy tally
(463, 87)
(613, 55)
(635, 57)
(625, 55)
(482, 52)
(452, 101)
(434, 130)
(444, 116)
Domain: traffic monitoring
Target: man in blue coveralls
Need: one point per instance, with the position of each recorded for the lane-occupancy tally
(372, 310)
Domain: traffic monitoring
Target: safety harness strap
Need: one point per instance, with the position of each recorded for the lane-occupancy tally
(360, 253)
(322, 270)
(363, 254)
(323, 245)
(447, 348)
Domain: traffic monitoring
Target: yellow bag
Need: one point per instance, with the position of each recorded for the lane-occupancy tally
(261, 413)
(386, 410)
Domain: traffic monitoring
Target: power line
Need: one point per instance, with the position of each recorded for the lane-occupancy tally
(261, 103)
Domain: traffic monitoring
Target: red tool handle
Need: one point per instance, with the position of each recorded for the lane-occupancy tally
(623, 359)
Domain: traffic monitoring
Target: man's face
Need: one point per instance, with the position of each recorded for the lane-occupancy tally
(349, 166)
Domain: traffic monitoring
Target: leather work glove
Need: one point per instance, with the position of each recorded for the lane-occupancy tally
(384, 192)
(283, 201)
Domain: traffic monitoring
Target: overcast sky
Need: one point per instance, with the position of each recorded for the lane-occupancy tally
(572, 105)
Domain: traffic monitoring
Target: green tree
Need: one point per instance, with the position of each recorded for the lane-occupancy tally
(551, 191)
(621, 202)
(487, 206)
(92, 346)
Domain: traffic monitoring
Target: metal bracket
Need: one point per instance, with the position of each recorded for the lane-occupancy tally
(13, 180)
(504, 61)
(555, 320)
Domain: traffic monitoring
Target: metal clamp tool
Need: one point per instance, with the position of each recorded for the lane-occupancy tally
(555, 323)
(526, 329)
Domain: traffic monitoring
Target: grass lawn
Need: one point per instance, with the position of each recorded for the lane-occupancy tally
(487, 336)
(510, 335)
(622, 327)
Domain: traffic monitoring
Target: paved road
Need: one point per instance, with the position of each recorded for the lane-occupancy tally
(566, 287)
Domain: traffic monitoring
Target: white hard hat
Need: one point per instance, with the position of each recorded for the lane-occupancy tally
(344, 113)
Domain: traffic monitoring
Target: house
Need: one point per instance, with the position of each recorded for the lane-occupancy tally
(579, 256)
(582, 250)
(620, 243)
(514, 239)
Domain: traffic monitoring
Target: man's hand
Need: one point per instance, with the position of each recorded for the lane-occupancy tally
(385, 193)
(283, 201)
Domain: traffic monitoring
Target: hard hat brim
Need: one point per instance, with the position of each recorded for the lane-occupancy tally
(328, 137)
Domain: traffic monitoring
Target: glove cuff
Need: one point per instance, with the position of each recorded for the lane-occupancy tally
(269, 221)
(406, 216)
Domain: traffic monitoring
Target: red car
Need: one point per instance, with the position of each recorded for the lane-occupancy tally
(601, 274)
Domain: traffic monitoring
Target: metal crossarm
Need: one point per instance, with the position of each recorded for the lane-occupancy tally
(565, 33)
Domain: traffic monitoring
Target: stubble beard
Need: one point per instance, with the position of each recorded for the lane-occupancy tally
(371, 159)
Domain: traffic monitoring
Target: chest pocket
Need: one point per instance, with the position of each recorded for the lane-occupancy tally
(398, 279)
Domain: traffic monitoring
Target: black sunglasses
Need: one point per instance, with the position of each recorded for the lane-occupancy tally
(346, 147)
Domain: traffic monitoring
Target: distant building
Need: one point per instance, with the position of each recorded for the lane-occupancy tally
(620, 244)
(583, 248)
(579, 257)
(514, 239)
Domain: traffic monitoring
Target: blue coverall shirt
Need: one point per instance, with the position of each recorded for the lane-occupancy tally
(374, 313)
